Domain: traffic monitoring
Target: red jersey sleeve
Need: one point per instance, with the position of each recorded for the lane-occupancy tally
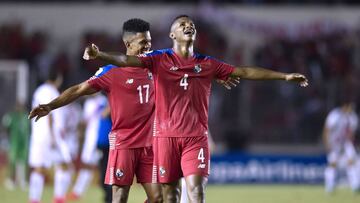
(102, 78)
(222, 69)
(147, 60)
(153, 59)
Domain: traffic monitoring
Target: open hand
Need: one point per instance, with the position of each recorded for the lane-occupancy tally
(297, 77)
(91, 52)
(230, 82)
(40, 111)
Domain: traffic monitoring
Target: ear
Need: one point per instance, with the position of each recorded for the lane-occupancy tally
(127, 44)
(172, 35)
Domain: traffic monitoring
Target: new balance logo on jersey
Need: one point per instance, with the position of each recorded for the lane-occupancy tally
(174, 68)
(130, 81)
(119, 173)
(197, 69)
(202, 166)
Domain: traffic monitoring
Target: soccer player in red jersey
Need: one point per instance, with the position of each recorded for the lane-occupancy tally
(130, 93)
(182, 82)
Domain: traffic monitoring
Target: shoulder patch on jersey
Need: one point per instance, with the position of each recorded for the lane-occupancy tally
(102, 70)
(201, 56)
(160, 51)
(206, 57)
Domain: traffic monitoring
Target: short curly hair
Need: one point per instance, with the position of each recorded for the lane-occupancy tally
(135, 25)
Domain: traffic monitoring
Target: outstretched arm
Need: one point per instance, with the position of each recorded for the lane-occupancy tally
(121, 60)
(229, 83)
(68, 96)
(256, 73)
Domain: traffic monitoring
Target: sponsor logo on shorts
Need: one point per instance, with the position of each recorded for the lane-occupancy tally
(202, 166)
(119, 173)
(162, 171)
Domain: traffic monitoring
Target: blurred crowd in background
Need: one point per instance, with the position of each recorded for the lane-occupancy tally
(254, 112)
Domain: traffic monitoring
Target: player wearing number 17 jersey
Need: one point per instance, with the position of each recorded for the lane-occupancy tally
(130, 94)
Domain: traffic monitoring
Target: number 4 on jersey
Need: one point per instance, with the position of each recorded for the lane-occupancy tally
(183, 82)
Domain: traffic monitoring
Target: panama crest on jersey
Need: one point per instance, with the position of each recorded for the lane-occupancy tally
(197, 68)
(150, 76)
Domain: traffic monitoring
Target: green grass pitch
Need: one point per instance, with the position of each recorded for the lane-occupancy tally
(218, 194)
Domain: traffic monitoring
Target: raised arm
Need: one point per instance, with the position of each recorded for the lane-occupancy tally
(256, 73)
(68, 96)
(121, 60)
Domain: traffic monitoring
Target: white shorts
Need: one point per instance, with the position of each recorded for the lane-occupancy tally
(90, 155)
(43, 155)
(73, 145)
(337, 152)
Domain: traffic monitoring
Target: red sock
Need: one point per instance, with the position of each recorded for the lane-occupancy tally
(59, 200)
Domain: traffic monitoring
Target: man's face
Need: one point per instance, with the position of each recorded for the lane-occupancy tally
(183, 29)
(139, 43)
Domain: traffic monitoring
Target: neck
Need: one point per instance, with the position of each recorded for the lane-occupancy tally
(131, 53)
(184, 49)
(52, 83)
(346, 109)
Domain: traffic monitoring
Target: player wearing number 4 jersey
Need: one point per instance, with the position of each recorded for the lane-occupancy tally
(182, 81)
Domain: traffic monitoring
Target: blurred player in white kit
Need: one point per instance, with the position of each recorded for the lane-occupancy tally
(340, 127)
(48, 146)
(93, 107)
(73, 118)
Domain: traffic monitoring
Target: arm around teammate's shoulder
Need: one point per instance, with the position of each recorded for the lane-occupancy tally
(120, 60)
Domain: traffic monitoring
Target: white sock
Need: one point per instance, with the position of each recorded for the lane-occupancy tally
(330, 175)
(353, 177)
(20, 175)
(82, 182)
(184, 197)
(36, 185)
(62, 181)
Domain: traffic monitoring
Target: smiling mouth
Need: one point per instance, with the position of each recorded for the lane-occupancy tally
(189, 32)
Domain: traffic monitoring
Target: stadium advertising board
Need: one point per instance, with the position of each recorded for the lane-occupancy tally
(247, 168)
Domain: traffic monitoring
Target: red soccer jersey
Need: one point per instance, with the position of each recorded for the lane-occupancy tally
(130, 93)
(182, 91)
